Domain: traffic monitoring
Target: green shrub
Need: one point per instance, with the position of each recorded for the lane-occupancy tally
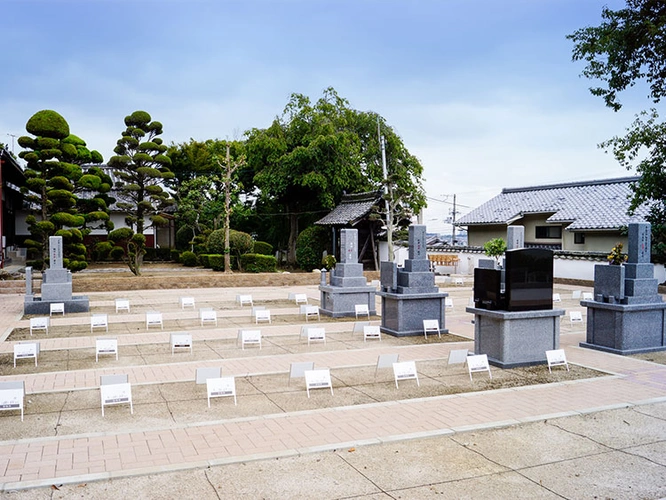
(310, 246)
(117, 253)
(77, 265)
(35, 264)
(263, 248)
(204, 261)
(184, 236)
(101, 250)
(215, 242)
(188, 259)
(257, 263)
(216, 261)
(175, 255)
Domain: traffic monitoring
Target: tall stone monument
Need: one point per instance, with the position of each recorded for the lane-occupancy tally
(348, 286)
(627, 315)
(409, 295)
(56, 285)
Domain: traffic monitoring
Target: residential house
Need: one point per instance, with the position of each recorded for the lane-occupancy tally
(578, 216)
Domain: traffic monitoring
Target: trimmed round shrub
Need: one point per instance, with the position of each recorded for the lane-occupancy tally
(262, 248)
(215, 242)
(257, 263)
(204, 261)
(188, 259)
(216, 261)
(175, 255)
(102, 250)
(183, 237)
(310, 246)
(117, 253)
(48, 123)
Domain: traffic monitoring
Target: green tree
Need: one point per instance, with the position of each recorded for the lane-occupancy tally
(627, 48)
(142, 169)
(53, 177)
(313, 153)
(495, 248)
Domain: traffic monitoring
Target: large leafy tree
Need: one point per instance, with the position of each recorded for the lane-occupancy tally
(315, 152)
(626, 49)
(53, 177)
(142, 168)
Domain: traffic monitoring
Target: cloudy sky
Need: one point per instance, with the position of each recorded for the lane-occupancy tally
(484, 92)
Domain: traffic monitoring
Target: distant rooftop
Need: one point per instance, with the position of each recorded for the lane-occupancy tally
(352, 209)
(588, 205)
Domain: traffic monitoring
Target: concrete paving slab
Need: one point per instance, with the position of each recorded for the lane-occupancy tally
(518, 448)
(615, 474)
(501, 485)
(621, 429)
(417, 463)
(655, 452)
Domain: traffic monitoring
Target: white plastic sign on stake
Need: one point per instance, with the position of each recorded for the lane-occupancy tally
(431, 326)
(99, 321)
(362, 310)
(154, 319)
(478, 363)
(405, 370)
(371, 332)
(122, 305)
(181, 341)
(208, 316)
(244, 299)
(250, 337)
(39, 324)
(556, 357)
(262, 315)
(318, 379)
(221, 387)
(316, 334)
(311, 312)
(105, 345)
(301, 298)
(298, 369)
(386, 361)
(57, 308)
(203, 374)
(458, 356)
(186, 302)
(116, 394)
(12, 395)
(26, 350)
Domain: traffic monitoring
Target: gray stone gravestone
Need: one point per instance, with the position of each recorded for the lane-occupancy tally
(347, 285)
(515, 237)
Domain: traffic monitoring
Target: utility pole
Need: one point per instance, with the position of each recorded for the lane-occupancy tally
(453, 222)
(13, 136)
(388, 196)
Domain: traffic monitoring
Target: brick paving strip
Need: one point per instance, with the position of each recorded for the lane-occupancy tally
(70, 459)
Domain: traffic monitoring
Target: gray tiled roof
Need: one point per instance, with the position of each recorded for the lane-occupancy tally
(352, 208)
(590, 205)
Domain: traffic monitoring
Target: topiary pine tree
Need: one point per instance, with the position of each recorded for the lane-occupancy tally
(52, 176)
(142, 167)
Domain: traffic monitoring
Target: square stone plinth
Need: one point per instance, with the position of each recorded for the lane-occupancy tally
(338, 302)
(403, 314)
(520, 338)
(625, 329)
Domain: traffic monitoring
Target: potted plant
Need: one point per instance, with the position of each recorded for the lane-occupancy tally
(616, 257)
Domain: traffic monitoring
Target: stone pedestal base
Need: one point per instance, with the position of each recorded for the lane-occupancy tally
(520, 338)
(339, 302)
(35, 305)
(403, 314)
(625, 329)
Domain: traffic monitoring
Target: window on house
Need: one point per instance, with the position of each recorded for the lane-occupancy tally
(579, 238)
(548, 232)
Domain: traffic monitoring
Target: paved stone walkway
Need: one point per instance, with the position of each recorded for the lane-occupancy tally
(34, 462)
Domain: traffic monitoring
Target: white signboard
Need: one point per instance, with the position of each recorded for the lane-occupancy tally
(478, 363)
(250, 337)
(362, 310)
(458, 356)
(311, 312)
(181, 341)
(371, 332)
(208, 316)
(262, 315)
(99, 321)
(39, 324)
(316, 334)
(244, 300)
(318, 379)
(106, 346)
(431, 326)
(405, 370)
(386, 361)
(57, 308)
(12, 399)
(26, 350)
(187, 302)
(298, 369)
(122, 305)
(116, 394)
(154, 319)
(221, 387)
(556, 357)
(301, 298)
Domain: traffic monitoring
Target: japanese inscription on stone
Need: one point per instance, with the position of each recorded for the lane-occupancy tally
(639, 243)
(348, 241)
(55, 252)
(417, 247)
